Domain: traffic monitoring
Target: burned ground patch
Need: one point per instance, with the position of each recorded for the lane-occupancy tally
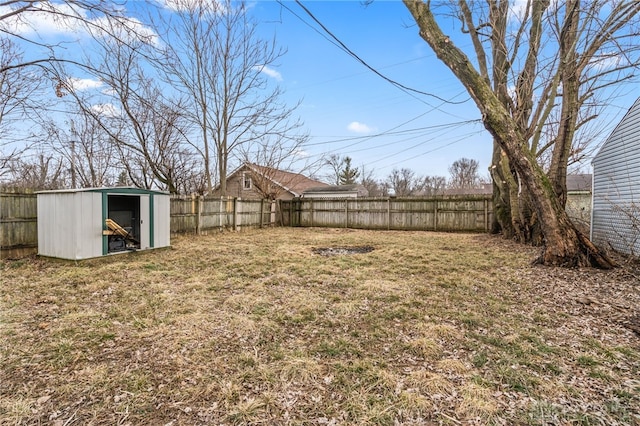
(340, 251)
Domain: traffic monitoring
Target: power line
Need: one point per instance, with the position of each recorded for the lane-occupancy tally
(338, 43)
(461, 139)
(390, 132)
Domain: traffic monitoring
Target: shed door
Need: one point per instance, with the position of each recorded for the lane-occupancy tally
(145, 223)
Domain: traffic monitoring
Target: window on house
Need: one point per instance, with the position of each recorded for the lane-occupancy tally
(246, 181)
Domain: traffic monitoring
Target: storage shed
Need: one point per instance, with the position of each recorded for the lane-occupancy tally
(84, 223)
(615, 220)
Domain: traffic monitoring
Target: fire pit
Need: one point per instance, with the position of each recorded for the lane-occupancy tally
(339, 251)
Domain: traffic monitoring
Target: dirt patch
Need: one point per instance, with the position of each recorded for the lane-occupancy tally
(339, 251)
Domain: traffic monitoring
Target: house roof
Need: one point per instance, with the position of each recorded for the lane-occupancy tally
(295, 183)
(580, 182)
(336, 188)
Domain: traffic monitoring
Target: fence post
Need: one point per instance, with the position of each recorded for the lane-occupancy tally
(261, 212)
(199, 215)
(486, 215)
(220, 213)
(388, 213)
(235, 213)
(310, 211)
(346, 213)
(278, 216)
(435, 215)
(272, 213)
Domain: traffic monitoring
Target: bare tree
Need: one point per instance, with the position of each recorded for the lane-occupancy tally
(214, 56)
(334, 163)
(87, 149)
(525, 91)
(19, 19)
(403, 182)
(18, 88)
(42, 171)
(341, 171)
(374, 187)
(464, 173)
(147, 129)
(432, 185)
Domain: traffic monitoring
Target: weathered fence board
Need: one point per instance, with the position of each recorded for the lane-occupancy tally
(18, 225)
(200, 215)
(461, 214)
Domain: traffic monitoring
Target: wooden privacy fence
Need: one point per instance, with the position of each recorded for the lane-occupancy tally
(461, 214)
(18, 225)
(199, 215)
(19, 228)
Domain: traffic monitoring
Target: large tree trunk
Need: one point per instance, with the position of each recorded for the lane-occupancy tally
(563, 244)
(514, 217)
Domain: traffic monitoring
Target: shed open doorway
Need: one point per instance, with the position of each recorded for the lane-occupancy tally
(125, 211)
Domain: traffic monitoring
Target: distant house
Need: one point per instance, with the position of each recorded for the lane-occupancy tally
(336, 191)
(615, 220)
(251, 181)
(578, 205)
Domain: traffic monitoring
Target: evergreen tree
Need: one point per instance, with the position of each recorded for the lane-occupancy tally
(347, 174)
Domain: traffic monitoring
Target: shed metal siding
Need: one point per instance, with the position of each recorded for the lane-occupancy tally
(616, 187)
(55, 222)
(70, 223)
(88, 211)
(161, 220)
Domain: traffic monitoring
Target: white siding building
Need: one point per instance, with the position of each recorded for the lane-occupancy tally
(615, 218)
(73, 224)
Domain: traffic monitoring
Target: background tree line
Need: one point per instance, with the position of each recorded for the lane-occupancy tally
(404, 182)
(172, 103)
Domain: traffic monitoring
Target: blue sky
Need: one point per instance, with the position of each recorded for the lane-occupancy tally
(349, 110)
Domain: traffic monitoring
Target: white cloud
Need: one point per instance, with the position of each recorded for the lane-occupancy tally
(358, 127)
(605, 62)
(301, 153)
(108, 110)
(63, 20)
(80, 84)
(517, 9)
(268, 71)
(124, 28)
(51, 19)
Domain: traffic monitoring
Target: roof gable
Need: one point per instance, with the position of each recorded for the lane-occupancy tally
(294, 183)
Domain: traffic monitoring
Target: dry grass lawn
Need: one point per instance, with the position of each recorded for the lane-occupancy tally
(258, 328)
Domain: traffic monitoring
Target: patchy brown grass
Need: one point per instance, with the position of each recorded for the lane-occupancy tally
(254, 328)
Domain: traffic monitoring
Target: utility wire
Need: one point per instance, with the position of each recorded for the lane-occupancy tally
(391, 133)
(351, 53)
(461, 139)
